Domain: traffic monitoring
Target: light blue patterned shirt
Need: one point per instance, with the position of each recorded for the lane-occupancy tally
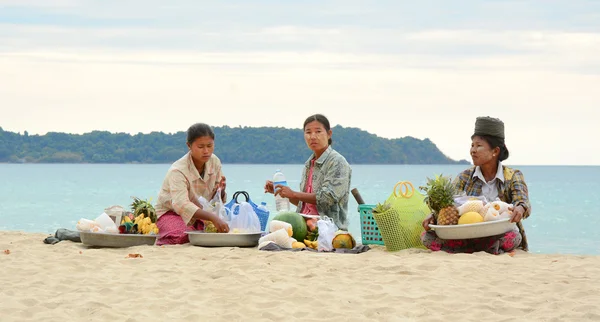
(331, 184)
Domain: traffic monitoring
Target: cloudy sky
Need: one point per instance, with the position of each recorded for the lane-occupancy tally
(393, 68)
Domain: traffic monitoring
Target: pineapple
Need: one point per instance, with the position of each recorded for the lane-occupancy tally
(145, 207)
(440, 199)
(381, 208)
(209, 227)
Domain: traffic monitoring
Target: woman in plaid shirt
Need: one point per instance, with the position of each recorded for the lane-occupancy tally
(493, 180)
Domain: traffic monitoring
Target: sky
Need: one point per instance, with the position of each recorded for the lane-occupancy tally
(394, 68)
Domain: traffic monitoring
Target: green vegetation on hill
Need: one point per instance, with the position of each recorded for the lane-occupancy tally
(232, 145)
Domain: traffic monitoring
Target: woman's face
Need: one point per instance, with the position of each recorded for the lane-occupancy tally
(202, 148)
(316, 137)
(481, 151)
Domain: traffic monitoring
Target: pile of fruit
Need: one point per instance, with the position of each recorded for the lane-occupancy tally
(291, 230)
(142, 219)
(440, 197)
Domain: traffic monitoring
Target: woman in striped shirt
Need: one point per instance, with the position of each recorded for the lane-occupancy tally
(197, 173)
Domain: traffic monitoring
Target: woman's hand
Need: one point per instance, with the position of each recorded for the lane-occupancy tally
(429, 220)
(269, 186)
(517, 214)
(223, 183)
(284, 192)
(223, 186)
(221, 226)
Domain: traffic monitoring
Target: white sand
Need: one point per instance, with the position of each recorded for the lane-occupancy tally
(69, 282)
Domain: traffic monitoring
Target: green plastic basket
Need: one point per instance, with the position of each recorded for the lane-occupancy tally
(368, 226)
(401, 228)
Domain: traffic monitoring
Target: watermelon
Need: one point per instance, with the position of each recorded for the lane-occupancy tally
(298, 224)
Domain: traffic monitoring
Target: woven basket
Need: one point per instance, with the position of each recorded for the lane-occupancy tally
(401, 225)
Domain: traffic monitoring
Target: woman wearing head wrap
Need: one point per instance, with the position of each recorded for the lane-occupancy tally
(493, 180)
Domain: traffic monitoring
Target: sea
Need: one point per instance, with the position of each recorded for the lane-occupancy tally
(44, 197)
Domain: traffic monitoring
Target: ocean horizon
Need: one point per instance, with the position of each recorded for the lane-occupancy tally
(44, 197)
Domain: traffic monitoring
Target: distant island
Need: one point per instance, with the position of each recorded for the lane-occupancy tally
(233, 145)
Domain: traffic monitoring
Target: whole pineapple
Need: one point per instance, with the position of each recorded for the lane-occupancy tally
(440, 199)
(139, 206)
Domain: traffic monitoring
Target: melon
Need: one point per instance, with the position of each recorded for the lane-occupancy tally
(298, 223)
(470, 217)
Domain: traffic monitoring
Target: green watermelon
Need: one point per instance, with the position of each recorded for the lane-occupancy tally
(298, 224)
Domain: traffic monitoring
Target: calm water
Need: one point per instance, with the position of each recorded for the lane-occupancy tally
(44, 197)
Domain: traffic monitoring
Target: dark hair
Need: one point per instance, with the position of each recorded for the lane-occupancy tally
(321, 119)
(199, 130)
(495, 142)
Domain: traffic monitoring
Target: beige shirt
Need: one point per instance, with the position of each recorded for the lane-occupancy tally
(183, 185)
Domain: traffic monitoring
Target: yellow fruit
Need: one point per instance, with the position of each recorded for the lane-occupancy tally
(470, 218)
(343, 240)
(471, 205)
(311, 244)
(125, 219)
(298, 245)
(209, 227)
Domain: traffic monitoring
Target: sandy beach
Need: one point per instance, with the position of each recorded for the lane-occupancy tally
(70, 282)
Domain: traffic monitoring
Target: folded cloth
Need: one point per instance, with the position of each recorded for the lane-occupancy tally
(63, 234)
(272, 247)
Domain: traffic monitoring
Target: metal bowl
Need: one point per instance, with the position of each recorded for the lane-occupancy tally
(116, 240)
(478, 230)
(200, 238)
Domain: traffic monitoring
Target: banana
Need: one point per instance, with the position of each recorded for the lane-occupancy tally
(311, 244)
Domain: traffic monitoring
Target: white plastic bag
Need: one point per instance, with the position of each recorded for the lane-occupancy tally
(246, 221)
(86, 225)
(279, 237)
(115, 213)
(219, 207)
(275, 225)
(459, 200)
(106, 223)
(327, 231)
(205, 204)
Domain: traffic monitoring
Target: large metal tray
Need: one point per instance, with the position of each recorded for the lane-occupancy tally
(200, 238)
(478, 230)
(116, 240)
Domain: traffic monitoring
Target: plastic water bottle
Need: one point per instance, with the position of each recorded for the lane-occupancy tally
(263, 207)
(281, 204)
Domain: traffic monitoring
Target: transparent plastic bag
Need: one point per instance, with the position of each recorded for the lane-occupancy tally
(459, 200)
(246, 221)
(279, 237)
(327, 229)
(204, 204)
(86, 225)
(219, 208)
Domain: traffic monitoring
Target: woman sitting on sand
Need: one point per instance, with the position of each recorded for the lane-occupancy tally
(493, 180)
(197, 173)
(325, 184)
